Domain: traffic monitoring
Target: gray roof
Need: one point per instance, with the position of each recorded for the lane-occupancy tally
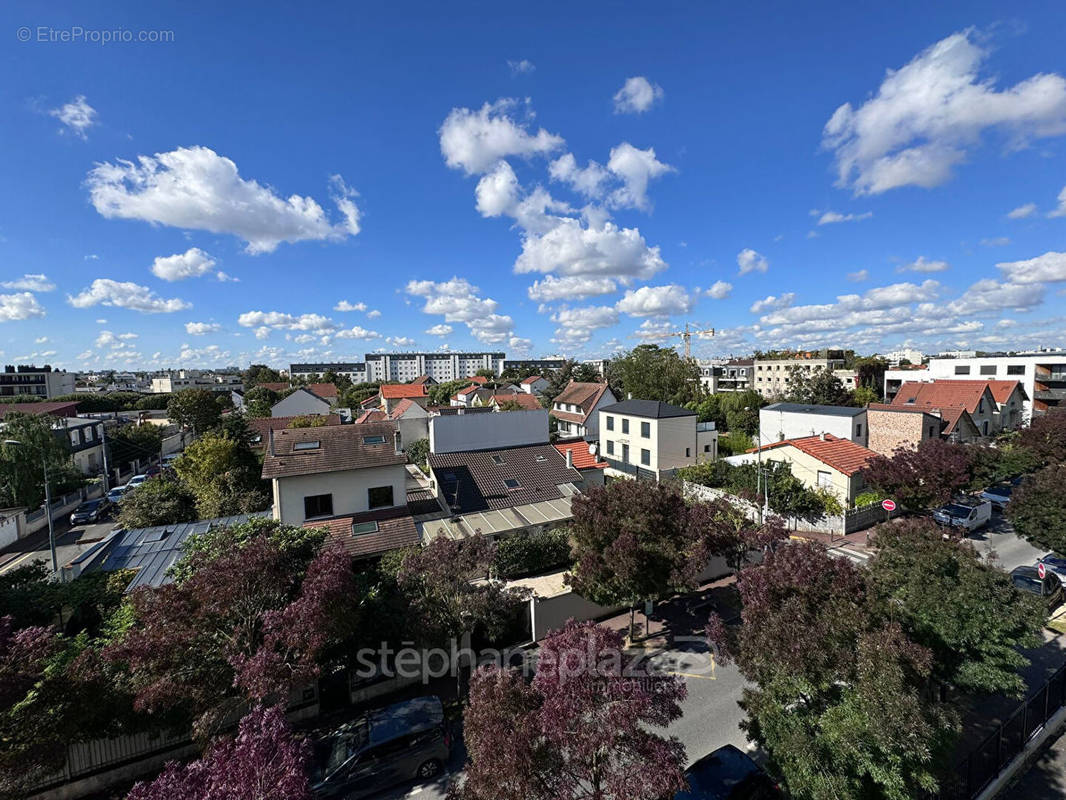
(804, 408)
(150, 551)
(653, 409)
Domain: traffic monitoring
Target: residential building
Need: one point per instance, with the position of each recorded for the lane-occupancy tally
(1042, 376)
(236, 396)
(301, 403)
(542, 365)
(66, 408)
(974, 396)
(412, 421)
(335, 471)
(908, 354)
(86, 439)
(575, 409)
(525, 402)
(441, 366)
(534, 384)
(425, 380)
(796, 420)
(585, 458)
(392, 394)
(464, 431)
(598, 364)
(648, 439)
(469, 396)
(355, 371)
(36, 381)
(892, 428)
(195, 379)
(774, 377)
(824, 462)
(262, 426)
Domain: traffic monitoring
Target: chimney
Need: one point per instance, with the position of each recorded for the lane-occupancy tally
(270, 437)
(397, 441)
(569, 459)
(822, 436)
(629, 395)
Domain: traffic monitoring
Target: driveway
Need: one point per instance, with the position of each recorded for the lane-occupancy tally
(70, 543)
(998, 540)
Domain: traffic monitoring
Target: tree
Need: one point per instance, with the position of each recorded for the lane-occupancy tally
(730, 534)
(159, 501)
(817, 387)
(869, 375)
(197, 409)
(259, 373)
(264, 762)
(582, 730)
(558, 380)
(948, 599)
(650, 372)
(586, 373)
(130, 443)
(224, 476)
(842, 708)
(922, 478)
(486, 373)
(444, 601)
(862, 396)
(249, 620)
(418, 452)
(992, 464)
(30, 446)
(742, 410)
(531, 552)
(309, 421)
(634, 541)
(1036, 508)
(441, 394)
(1046, 437)
(259, 401)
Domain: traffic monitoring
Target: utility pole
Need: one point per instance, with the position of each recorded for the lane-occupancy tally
(107, 461)
(47, 504)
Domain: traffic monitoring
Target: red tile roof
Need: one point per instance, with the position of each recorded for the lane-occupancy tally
(942, 394)
(38, 409)
(582, 458)
(421, 380)
(396, 529)
(527, 401)
(340, 447)
(949, 417)
(399, 409)
(371, 415)
(479, 379)
(327, 391)
(398, 391)
(1001, 390)
(843, 455)
(532, 379)
(583, 395)
(279, 387)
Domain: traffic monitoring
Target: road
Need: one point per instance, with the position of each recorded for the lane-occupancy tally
(1009, 549)
(70, 543)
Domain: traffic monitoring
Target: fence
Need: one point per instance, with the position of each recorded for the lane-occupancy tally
(989, 759)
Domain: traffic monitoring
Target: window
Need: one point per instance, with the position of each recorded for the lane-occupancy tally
(625, 426)
(610, 423)
(706, 448)
(988, 369)
(379, 497)
(645, 430)
(373, 440)
(858, 430)
(512, 483)
(306, 445)
(610, 447)
(645, 457)
(498, 460)
(625, 454)
(962, 370)
(364, 527)
(1016, 369)
(318, 505)
(825, 480)
(688, 452)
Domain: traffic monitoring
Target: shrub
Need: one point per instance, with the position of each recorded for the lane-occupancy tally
(533, 552)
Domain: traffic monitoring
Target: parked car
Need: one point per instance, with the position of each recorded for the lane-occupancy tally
(115, 495)
(154, 471)
(382, 748)
(91, 512)
(136, 480)
(728, 774)
(998, 495)
(1056, 564)
(168, 460)
(1028, 580)
(964, 513)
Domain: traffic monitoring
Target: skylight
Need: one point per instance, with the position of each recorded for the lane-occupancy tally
(498, 460)
(364, 527)
(307, 445)
(373, 440)
(512, 483)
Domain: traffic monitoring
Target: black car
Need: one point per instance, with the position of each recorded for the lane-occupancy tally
(728, 774)
(1027, 579)
(91, 511)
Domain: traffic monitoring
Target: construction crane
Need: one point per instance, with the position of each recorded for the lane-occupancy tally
(687, 334)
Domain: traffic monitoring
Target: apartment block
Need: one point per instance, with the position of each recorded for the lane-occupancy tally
(26, 379)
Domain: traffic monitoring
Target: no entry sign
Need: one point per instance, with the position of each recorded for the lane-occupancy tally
(888, 505)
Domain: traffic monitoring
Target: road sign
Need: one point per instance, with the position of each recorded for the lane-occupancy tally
(1041, 570)
(888, 505)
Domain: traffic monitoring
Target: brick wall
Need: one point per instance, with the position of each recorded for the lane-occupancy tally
(892, 430)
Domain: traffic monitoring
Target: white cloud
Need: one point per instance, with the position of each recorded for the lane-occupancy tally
(832, 217)
(655, 301)
(1061, 210)
(222, 277)
(519, 346)
(457, 300)
(373, 314)
(927, 114)
(101, 322)
(400, 341)
(279, 320)
(1021, 212)
(750, 261)
(202, 328)
(475, 140)
(497, 192)
(30, 283)
(1048, 268)
(771, 302)
(922, 264)
(77, 115)
(193, 263)
(995, 241)
(19, 306)
(41, 340)
(860, 276)
(196, 189)
(344, 305)
(569, 248)
(636, 96)
(124, 294)
(121, 341)
(655, 331)
(573, 287)
(587, 180)
(719, 290)
(577, 325)
(635, 168)
(440, 330)
(357, 332)
(990, 295)
(523, 67)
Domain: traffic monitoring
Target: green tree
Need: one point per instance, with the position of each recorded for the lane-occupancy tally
(223, 475)
(309, 421)
(259, 401)
(532, 552)
(948, 599)
(418, 452)
(197, 409)
(741, 410)
(158, 501)
(558, 380)
(30, 446)
(353, 397)
(259, 373)
(1036, 508)
(132, 442)
(650, 372)
(864, 395)
(817, 387)
(869, 374)
(586, 373)
(441, 394)
(1045, 437)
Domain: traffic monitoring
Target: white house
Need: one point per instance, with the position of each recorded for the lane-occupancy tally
(649, 439)
(332, 471)
(300, 403)
(576, 409)
(534, 384)
(824, 462)
(779, 421)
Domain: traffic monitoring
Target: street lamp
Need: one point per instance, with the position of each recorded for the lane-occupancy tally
(47, 507)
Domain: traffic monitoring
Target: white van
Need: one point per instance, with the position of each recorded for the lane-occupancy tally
(965, 513)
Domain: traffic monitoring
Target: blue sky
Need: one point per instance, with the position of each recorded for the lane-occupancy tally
(279, 183)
